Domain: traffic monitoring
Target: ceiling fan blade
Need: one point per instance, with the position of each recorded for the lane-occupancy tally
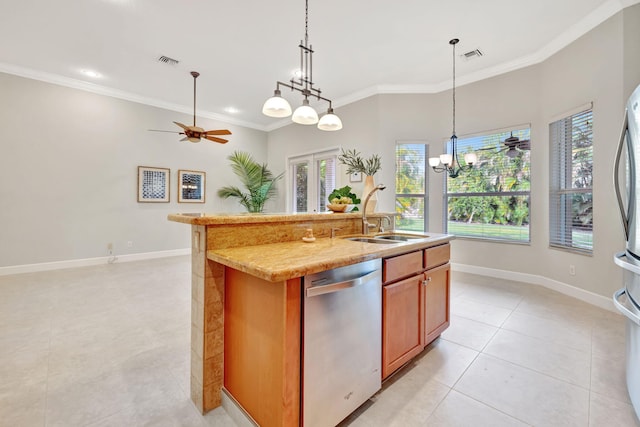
(184, 139)
(158, 130)
(214, 139)
(218, 132)
(182, 126)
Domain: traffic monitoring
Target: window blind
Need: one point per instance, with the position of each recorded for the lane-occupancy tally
(491, 201)
(571, 182)
(411, 186)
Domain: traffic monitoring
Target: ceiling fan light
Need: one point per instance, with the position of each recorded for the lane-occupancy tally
(305, 115)
(192, 139)
(512, 152)
(330, 121)
(276, 106)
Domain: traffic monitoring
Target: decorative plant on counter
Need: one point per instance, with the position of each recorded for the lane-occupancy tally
(354, 162)
(344, 196)
(257, 179)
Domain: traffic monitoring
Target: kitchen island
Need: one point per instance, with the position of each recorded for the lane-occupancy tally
(246, 301)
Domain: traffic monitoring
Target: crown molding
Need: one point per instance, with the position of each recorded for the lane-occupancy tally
(119, 94)
(571, 34)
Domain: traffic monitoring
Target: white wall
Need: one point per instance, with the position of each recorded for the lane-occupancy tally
(601, 66)
(68, 173)
(360, 131)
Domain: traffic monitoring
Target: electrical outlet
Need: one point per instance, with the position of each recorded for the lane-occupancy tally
(572, 270)
(110, 246)
(129, 244)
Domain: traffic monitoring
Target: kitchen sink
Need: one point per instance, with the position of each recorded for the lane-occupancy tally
(369, 240)
(399, 237)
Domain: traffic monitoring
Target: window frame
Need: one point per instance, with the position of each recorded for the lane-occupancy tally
(447, 195)
(560, 183)
(425, 195)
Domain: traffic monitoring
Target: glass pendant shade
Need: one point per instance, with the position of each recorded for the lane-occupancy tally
(446, 159)
(330, 121)
(305, 115)
(276, 106)
(470, 158)
(434, 161)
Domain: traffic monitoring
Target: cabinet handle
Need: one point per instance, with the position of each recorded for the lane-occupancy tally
(426, 282)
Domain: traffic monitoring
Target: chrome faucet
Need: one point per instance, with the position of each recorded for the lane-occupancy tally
(366, 224)
(382, 222)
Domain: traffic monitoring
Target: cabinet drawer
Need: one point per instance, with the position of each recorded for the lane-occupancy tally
(436, 256)
(401, 266)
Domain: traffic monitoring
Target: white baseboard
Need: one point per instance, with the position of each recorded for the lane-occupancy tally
(73, 263)
(235, 411)
(563, 288)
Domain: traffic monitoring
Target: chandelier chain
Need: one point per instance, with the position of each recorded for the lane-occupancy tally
(454, 89)
(306, 23)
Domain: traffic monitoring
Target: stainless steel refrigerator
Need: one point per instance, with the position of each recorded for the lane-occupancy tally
(627, 299)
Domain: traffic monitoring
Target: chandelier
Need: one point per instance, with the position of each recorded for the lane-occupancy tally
(449, 162)
(277, 106)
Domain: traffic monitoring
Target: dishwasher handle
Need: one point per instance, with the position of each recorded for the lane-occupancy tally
(621, 307)
(338, 286)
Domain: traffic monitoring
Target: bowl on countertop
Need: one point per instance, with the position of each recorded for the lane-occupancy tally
(337, 207)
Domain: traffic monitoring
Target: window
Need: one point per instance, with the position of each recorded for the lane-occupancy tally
(312, 177)
(571, 182)
(491, 201)
(411, 186)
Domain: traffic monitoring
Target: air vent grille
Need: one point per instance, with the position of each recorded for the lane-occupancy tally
(472, 54)
(167, 60)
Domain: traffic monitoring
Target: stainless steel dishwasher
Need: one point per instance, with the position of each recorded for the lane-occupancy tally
(342, 341)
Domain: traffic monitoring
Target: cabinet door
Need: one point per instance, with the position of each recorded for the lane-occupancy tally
(401, 323)
(435, 291)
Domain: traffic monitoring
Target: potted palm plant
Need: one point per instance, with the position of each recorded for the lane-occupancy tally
(257, 179)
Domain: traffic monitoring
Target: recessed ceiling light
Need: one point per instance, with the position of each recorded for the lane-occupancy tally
(231, 110)
(91, 73)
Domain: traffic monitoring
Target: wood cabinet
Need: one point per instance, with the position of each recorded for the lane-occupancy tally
(262, 347)
(415, 309)
(435, 297)
(402, 335)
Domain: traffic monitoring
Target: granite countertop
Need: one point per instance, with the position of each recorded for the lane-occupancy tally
(287, 260)
(201, 218)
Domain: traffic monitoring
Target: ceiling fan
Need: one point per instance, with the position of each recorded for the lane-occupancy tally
(195, 133)
(513, 145)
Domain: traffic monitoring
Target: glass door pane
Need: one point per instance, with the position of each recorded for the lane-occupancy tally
(300, 187)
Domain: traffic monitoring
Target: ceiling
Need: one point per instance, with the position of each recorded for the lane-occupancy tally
(241, 48)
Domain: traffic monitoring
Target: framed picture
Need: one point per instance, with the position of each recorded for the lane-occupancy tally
(153, 184)
(355, 177)
(191, 186)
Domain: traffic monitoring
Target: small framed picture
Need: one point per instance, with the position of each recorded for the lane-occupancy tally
(355, 177)
(191, 186)
(153, 184)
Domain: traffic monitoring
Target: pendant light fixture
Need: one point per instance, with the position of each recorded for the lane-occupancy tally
(277, 106)
(449, 162)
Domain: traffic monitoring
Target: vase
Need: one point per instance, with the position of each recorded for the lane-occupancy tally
(369, 185)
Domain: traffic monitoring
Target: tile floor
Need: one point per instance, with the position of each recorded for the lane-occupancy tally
(109, 346)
